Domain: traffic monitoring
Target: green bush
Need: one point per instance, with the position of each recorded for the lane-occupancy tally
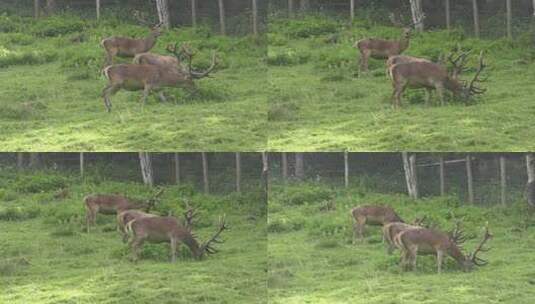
(39, 182)
(57, 25)
(9, 24)
(306, 27)
(281, 225)
(306, 193)
(9, 58)
(287, 57)
(17, 213)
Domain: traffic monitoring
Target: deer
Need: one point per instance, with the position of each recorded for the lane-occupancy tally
(372, 215)
(433, 76)
(148, 77)
(390, 230)
(129, 47)
(396, 59)
(426, 241)
(168, 229)
(164, 60)
(113, 204)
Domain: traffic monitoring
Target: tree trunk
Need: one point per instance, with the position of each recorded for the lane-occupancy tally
(50, 7)
(177, 169)
(255, 17)
(291, 8)
(346, 169)
(36, 6)
(475, 11)
(530, 165)
(530, 186)
(304, 5)
(448, 16)
(194, 12)
(509, 17)
(352, 10)
(222, 26)
(163, 12)
(299, 166)
(205, 172)
(82, 164)
(265, 175)
(20, 160)
(533, 8)
(409, 165)
(284, 165)
(146, 168)
(470, 179)
(442, 178)
(417, 15)
(238, 172)
(503, 180)
(98, 9)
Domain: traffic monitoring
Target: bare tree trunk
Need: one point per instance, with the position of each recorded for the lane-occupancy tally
(409, 165)
(238, 172)
(194, 12)
(146, 168)
(20, 160)
(475, 11)
(177, 169)
(530, 165)
(352, 10)
(417, 15)
(205, 172)
(163, 12)
(284, 164)
(98, 9)
(255, 17)
(299, 166)
(304, 5)
(36, 8)
(291, 8)
(82, 164)
(442, 178)
(503, 180)
(50, 7)
(530, 186)
(222, 26)
(470, 179)
(346, 169)
(533, 8)
(265, 174)
(509, 17)
(448, 16)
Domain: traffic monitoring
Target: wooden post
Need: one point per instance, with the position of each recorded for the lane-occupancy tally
(82, 164)
(409, 166)
(205, 172)
(36, 8)
(442, 177)
(194, 12)
(291, 8)
(98, 9)
(299, 166)
(177, 169)
(222, 26)
(352, 10)
(238, 172)
(284, 164)
(509, 17)
(265, 174)
(533, 8)
(20, 160)
(448, 17)
(346, 169)
(503, 179)
(475, 12)
(530, 166)
(255, 17)
(470, 179)
(530, 185)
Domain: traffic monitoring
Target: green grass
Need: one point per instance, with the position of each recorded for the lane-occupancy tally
(51, 92)
(317, 102)
(312, 260)
(45, 256)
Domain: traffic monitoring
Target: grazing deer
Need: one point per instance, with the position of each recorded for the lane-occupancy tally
(396, 59)
(425, 241)
(125, 217)
(168, 229)
(371, 215)
(390, 230)
(113, 204)
(164, 60)
(147, 77)
(432, 76)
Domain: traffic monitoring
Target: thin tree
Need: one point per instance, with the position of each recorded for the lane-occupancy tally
(238, 172)
(162, 7)
(448, 16)
(284, 165)
(299, 166)
(503, 180)
(475, 11)
(97, 4)
(530, 186)
(222, 26)
(417, 14)
(20, 160)
(352, 10)
(470, 179)
(255, 17)
(50, 7)
(194, 12)
(146, 168)
(291, 8)
(177, 168)
(509, 17)
(409, 166)
(205, 172)
(36, 6)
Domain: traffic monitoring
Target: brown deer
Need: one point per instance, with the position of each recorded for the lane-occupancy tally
(113, 204)
(432, 76)
(147, 77)
(164, 60)
(425, 241)
(390, 230)
(168, 229)
(396, 59)
(375, 215)
(125, 217)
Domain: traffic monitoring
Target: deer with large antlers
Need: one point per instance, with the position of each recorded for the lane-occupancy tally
(375, 215)
(113, 204)
(425, 241)
(167, 229)
(148, 77)
(433, 76)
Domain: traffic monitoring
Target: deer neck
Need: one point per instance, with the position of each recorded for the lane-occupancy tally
(403, 44)
(453, 85)
(456, 253)
(150, 41)
(192, 244)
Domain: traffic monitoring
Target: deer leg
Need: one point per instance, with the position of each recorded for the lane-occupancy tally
(136, 244)
(173, 249)
(440, 256)
(440, 93)
(109, 90)
(399, 87)
(427, 96)
(146, 92)
(364, 61)
(414, 254)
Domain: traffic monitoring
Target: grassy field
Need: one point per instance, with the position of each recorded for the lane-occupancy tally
(51, 92)
(318, 103)
(312, 260)
(46, 258)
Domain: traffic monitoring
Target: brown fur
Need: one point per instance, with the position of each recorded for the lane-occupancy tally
(125, 217)
(390, 230)
(128, 47)
(155, 59)
(377, 215)
(381, 48)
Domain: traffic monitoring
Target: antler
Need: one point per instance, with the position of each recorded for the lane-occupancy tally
(473, 89)
(479, 261)
(189, 215)
(198, 75)
(459, 62)
(207, 246)
(457, 235)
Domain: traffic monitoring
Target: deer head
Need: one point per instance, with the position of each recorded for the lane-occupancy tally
(156, 29)
(207, 247)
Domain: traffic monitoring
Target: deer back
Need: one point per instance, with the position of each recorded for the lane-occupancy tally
(421, 73)
(376, 214)
(155, 59)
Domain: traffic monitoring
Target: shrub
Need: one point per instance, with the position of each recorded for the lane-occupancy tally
(306, 193)
(39, 182)
(306, 27)
(9, 58)
(9, 24)
(57, 25)
(17, 213)
(287, 57)
(280, 225)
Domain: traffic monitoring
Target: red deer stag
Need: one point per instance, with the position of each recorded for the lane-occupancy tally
(168, 229)
(432, 76)
(427, 241)
(129, 47)
(113, 204)
(147, 77)
(372, 215)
